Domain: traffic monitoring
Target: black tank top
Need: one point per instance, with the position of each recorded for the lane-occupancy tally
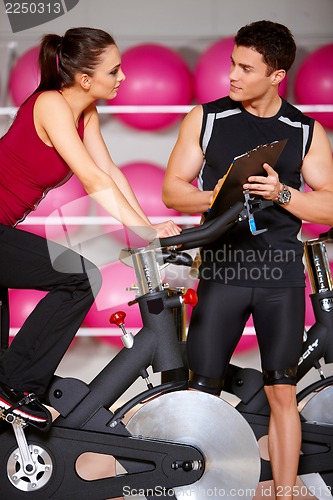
(273, 258)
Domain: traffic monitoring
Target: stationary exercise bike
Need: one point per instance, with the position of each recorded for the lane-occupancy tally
(179, 443)
(36, 465)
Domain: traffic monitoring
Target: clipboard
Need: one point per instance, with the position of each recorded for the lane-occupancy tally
(242, 167)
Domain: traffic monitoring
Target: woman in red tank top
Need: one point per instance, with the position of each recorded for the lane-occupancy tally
(57, 133)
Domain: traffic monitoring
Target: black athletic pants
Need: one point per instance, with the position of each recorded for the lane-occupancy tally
(28, 261)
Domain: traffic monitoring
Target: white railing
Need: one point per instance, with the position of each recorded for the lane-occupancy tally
(113, 109)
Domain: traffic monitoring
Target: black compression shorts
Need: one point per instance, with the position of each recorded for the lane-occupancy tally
(218, 321)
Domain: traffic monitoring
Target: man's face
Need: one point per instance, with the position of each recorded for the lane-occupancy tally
(248, 75)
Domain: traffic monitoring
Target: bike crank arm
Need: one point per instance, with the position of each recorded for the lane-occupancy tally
(18, 425)
(150, 464)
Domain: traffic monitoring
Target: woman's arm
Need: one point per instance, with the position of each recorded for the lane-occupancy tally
(94, 142)
(56, 117)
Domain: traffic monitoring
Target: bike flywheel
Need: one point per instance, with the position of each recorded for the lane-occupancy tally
(217, 429)
(319, 410)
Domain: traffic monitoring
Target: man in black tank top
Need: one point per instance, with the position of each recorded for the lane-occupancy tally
(243, 274)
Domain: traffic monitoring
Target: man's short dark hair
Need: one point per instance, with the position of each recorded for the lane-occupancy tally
(272, 40)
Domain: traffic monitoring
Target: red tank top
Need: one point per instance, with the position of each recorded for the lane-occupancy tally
(28, 167)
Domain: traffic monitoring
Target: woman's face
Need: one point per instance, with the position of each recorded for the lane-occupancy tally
(107, 75)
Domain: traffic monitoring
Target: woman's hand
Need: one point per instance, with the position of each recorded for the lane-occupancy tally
(151, 232)
(167, 228)
(268, 187)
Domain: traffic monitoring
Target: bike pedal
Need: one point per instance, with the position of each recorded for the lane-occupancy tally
(11, 418)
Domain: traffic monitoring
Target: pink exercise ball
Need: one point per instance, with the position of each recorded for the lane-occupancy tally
(155, 75)
(25, 76)
(21, 304)
(314, 230)
(114, 297)
(71, 198)
(248, 340)
(309, 314)
(146, 180)
(211, 73)
(314, 82)
(247, 343)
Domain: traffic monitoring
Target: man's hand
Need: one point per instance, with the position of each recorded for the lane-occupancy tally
(268, 187)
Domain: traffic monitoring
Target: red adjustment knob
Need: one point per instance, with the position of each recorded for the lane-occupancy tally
(118, 318)
(190, 297)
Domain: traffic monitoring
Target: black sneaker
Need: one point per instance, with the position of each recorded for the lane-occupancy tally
(25, 406)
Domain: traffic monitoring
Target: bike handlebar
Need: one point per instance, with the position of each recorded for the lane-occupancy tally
(327, 236)
(205, 233)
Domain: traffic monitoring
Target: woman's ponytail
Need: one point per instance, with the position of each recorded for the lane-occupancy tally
(49, 63)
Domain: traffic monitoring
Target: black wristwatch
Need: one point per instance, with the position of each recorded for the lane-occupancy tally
(284, 195)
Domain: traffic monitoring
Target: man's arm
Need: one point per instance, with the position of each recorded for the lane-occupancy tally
(184, 166)
(317, 170)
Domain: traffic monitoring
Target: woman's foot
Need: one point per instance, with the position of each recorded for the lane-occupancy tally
(25, 406)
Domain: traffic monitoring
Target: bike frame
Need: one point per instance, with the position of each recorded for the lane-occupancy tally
(86, 423)
(245, 383)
